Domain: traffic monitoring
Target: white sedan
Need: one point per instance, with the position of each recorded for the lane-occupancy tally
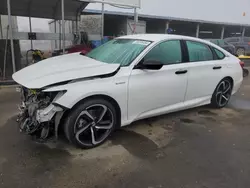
(124, 80)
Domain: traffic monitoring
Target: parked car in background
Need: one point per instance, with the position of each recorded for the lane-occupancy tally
(242, 44)
(72, 49)
(225, 45)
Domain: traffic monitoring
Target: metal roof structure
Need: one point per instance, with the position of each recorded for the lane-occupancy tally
(108, 12)
(50, 9)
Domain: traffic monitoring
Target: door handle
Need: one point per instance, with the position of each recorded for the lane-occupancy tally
(181, 72)
(215, 68)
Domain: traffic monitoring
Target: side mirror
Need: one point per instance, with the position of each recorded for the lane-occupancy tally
(150, 65)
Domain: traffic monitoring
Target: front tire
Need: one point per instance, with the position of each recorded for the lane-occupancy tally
(222, 93)
(90, 123)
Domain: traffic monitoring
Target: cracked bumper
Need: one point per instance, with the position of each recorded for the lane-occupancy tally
(46, 114)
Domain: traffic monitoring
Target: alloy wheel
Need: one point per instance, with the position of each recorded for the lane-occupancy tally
(223, 93)
(240, 52)
(93, 125)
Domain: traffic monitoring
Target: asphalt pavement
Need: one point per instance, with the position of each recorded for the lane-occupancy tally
(197, 148)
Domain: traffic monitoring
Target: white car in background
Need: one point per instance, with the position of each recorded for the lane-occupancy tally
(124, 80)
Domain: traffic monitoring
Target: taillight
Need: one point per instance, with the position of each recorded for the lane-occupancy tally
(248, 43)
(242, 64)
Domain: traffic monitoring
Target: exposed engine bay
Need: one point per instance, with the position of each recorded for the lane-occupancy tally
(38, 114)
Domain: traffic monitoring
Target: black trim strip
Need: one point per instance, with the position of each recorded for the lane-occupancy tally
(184, 49)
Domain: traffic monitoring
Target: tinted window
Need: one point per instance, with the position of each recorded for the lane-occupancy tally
(219, 54)
(168, 52)
(199, 52)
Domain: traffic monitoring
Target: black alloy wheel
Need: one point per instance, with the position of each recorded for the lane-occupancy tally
(91, 123)
(222, 94)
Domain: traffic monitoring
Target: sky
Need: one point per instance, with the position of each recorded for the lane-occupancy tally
(229, 11)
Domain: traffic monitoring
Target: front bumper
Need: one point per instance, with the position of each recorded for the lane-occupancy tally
(38, 113)
(45, 115)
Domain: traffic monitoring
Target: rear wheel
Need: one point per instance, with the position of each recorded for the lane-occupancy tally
(90, 123)
(240, 51)
(222, 94)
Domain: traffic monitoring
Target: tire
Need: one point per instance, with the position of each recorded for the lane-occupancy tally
(245, 72)
(240, 51)
(222, 94)
(90, 123)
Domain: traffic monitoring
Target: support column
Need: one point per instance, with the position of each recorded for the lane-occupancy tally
(135, 15)
(77, 29)
(102, 28)
(243, 32)
(55, 32)
(167, 27)
(1, 28)
(11, 37)
(222, 32)
(60, 34)
(135, 20)
(63, 27)
(31, 41)
(197, 31)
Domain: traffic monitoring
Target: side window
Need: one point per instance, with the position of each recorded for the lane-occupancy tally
(168, 52)
(232, 40)
(219, 54)
(198, 51)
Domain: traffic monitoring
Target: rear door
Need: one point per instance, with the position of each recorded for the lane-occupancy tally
(204, 71)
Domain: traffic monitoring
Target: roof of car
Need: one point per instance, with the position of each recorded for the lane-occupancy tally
(158, 37)
(162, 37)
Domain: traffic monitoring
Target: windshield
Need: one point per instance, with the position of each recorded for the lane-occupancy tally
(119, 51)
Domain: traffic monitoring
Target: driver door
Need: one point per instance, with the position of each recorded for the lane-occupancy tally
(154, 92)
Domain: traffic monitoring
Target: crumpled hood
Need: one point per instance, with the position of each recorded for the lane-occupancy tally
(61, 68)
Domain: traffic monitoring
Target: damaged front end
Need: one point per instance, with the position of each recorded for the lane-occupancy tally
(39, 115)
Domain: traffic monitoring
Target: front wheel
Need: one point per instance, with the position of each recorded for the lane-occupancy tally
(222, 94)
(90, 123)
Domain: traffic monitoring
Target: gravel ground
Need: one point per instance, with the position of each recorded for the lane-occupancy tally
(197, 148)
